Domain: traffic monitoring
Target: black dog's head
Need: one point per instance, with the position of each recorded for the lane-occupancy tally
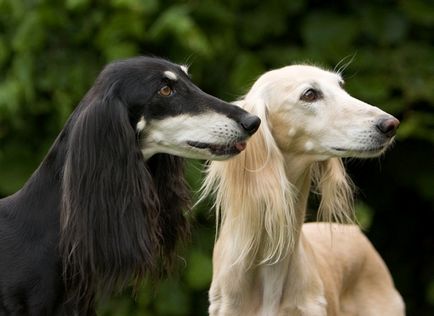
(123, 186)
(171, 114)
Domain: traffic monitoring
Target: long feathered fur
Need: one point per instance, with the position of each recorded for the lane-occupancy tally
(254, 196)
(252, 193)
(118, 217)
(336, 190)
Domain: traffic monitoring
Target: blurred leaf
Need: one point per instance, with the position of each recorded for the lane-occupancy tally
(173, 300)
(247, 68)
(425, 184)
(117, 37)
(383, 25)
(4, 50)
(371, 89)
(10, 92)
(419, 125)
(121, 50)
(29, 35)
(120, 306)
(256, 26)
(13, 177)
(329, 33)
(194, 174)
(420, 11)
(145, 295)
(76, 4)
(199, 270)
(430, 292)
(142, 6)
(16, 9)
(23, 72)
(177, 23)
(364, 215)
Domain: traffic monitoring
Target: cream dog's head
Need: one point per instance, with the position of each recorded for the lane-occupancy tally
(310, 113)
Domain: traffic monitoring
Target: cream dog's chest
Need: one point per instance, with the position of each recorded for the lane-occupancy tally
(315, 306)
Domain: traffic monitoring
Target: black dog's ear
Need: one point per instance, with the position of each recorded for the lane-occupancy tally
(174, 195)
(110, 217)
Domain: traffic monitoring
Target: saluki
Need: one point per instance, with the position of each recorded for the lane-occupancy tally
(105, 207)
(266, 261)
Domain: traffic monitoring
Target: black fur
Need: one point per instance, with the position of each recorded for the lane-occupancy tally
(96, 216)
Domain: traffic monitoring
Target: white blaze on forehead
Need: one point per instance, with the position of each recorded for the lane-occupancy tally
(184, 69)
(141, 124)
(171, 75)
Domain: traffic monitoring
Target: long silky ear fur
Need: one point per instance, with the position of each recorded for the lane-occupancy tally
(173, 191)
(114, 227)
(252, 193)
(336, 189)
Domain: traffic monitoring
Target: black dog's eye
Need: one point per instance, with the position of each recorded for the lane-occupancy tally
(310, 95)
(165, 91)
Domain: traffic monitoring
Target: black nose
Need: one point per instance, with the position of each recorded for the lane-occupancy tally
(388, 125)
(250, 123)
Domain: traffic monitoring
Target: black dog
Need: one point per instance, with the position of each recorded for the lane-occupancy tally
(105, 206)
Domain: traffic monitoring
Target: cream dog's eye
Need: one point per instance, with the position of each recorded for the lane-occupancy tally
(310, 95)
(165, 91)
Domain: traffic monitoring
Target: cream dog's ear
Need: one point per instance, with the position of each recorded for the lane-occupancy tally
(252, 192)
(336, 191)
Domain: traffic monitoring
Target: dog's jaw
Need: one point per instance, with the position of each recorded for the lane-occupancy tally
(205, 136)
(371, 147)
(223, 151)
(367, 151)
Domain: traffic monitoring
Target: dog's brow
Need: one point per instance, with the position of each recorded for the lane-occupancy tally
(170, 75)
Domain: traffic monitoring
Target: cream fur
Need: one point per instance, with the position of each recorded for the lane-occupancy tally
(266, 261)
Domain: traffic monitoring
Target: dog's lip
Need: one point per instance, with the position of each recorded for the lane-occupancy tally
(360, 150)
(220, 149)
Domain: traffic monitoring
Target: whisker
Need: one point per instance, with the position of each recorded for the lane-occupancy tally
(343, 64)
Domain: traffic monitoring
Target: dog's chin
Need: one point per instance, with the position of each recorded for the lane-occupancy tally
(217, 151)
(360, 152)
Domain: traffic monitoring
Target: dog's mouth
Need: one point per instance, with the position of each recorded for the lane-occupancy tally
(220, 150)
(368, 151)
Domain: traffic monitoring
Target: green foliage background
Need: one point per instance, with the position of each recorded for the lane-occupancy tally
(52, 50)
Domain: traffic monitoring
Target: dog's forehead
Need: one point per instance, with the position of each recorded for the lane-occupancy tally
(291, 78)
(296, 75)
(303, 73)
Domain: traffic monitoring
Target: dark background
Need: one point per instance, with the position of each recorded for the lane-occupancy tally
(51, 51)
